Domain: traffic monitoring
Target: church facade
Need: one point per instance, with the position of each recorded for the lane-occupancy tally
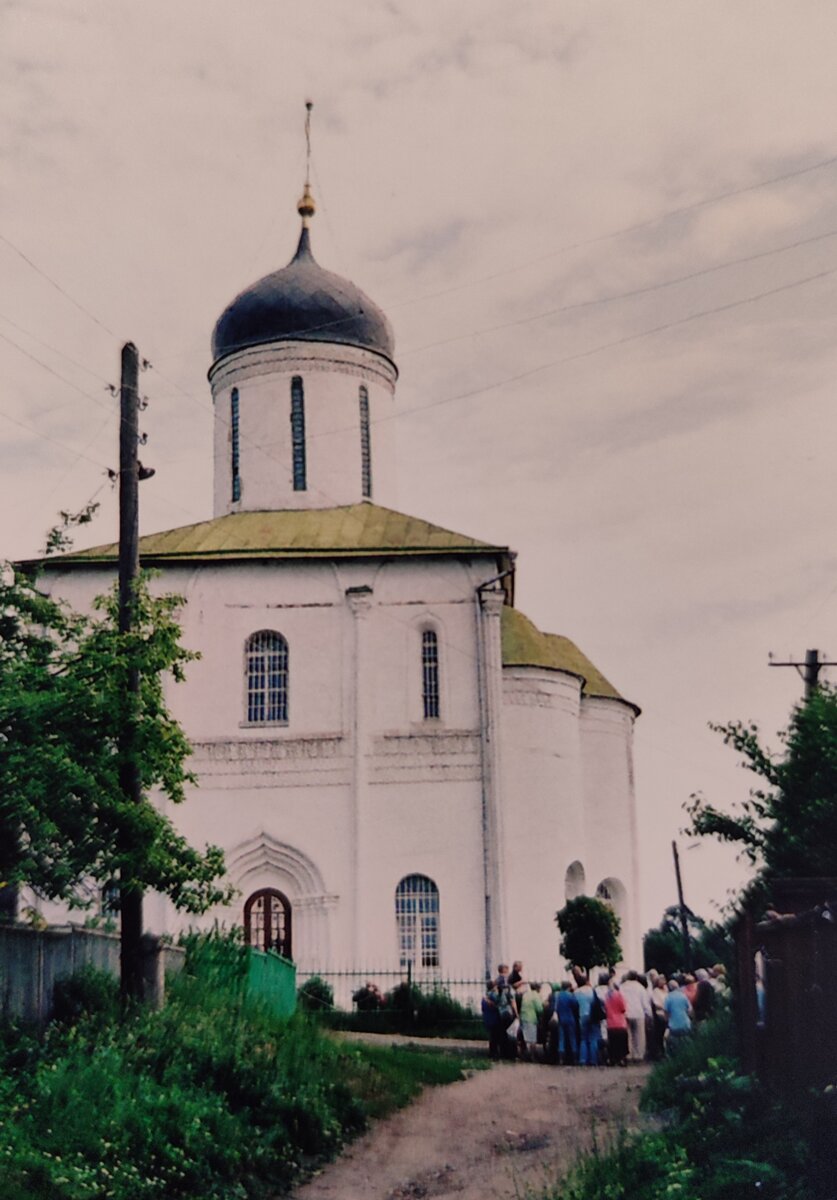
(402, 770)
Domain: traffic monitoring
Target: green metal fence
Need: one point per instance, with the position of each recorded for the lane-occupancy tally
(272, 979)
(244, 971)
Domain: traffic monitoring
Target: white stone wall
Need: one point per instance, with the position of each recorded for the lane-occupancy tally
(568, 807)
(610, 813)
(358, 790)
(543, 820)
(331, 377)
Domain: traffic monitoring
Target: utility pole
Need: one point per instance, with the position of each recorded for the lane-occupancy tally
(684, 924)
(809, 670)
(130, 899)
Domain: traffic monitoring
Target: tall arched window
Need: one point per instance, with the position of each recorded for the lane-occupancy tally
(614, 893)
(574, 881)
(267, 921)
(430, 673)
(298, 434)
(365, 444)
(417, 920)
(267, 677)
(235, 447)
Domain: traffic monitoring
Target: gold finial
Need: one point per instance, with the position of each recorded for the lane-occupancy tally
(306, 206)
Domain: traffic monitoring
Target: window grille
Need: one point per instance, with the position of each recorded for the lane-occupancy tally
(298, 434)
(111, 898)
(430, 673)
(267, 678)
(365, 444)
(236, 447)
(417, 920)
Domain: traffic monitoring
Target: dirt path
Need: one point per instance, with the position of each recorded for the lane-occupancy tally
(488, 1137)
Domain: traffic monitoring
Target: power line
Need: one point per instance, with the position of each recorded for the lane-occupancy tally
(46, 367)
(56, 285)
(625, 229)
(630, 294)
(48, 346)
(633, 228)
(631, 337)
(45, 437)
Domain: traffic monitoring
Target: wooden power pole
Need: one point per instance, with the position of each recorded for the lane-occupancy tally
(684, 920)
(809, 669)
(130, 899)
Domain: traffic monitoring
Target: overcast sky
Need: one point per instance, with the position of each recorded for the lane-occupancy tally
(606, 237)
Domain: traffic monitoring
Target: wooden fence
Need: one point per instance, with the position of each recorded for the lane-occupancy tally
(787, 981)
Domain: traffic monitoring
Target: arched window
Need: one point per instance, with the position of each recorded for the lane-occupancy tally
(111, 899)
(417, 920)
(365, 444)
(430, 673)
(267, 921)
(298, 434)
(574, 881)
(235, 446)
(613, 892)
(267, 677)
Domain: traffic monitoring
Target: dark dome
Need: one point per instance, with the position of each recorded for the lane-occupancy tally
(302, 302)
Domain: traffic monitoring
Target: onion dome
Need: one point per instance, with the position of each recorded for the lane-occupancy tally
(302, 303)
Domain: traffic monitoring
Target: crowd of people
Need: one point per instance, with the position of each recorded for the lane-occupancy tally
(612, 1022)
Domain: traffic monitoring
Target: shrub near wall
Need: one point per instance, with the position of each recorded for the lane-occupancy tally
(723, 1137)
(410, 1011)
(213, 1097)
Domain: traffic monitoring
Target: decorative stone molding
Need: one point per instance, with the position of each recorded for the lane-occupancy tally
(316, 903)
(302, 357)
(451, 741)
(492, 601)
(278, 762)
(246, 750)
(425, 758)
(265, 852)
(533, 698)
(359, 600)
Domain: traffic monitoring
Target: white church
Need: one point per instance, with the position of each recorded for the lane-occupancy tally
(402, 770)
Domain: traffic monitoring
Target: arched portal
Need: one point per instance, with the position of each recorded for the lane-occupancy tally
(267, 921)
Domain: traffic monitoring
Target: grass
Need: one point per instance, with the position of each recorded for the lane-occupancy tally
(212, 1097)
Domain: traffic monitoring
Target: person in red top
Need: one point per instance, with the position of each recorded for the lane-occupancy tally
(617, 1027)
(689, 986)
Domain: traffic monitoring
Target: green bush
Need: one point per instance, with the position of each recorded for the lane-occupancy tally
(410, 1011)
(315, 995)
(213, 1096)
(711, 1040)
(88, 993)
(723, 1137)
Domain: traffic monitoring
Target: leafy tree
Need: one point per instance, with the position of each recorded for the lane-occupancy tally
(65, 824)
(590, 933)
(787, 827)
(663, 946)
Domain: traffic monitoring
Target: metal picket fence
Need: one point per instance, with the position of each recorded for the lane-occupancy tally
(397, 1001)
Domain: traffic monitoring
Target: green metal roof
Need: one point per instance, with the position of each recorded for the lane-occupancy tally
(356, 530)
(525, 646)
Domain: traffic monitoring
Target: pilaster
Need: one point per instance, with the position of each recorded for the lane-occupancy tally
(490, 607)
(359, 601)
